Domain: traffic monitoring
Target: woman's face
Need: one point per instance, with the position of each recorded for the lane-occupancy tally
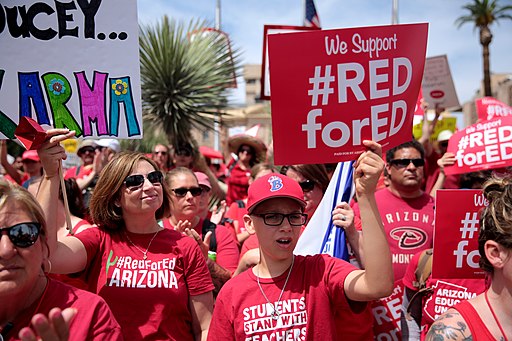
(20, 268)
(146, 198)
(245, 153)
(312, 197)
(187, 206)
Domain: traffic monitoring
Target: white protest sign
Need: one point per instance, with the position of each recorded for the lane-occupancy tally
(72, 64)
(437, 84)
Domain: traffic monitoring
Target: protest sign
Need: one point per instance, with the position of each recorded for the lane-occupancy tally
(456, 234)
(265, 73)
(446, 123)
(333, 89)
(418, 110)
(71, 65)
(437, 85)
(484, 145)
(488, 108)
(386, 314)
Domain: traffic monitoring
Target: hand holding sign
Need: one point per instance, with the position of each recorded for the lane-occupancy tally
(368, 168)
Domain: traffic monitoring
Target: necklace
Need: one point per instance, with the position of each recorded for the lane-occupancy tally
(145, 253)
(495, 317)
(275, 313)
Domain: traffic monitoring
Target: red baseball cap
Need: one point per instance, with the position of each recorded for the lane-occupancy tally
(30, 155)
(272, 186)
(202, 179)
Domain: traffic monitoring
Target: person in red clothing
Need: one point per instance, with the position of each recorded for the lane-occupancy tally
(296, 297)
(155, 280)
(487, 316)
(34, 306)
(184, 217)
(249, 151)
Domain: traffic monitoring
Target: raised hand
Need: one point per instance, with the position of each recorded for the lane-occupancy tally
(51, 152)
(54, 327)
(368, 168)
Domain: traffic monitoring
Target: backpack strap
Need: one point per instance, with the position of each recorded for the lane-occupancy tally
(209, 226)
(77, 171)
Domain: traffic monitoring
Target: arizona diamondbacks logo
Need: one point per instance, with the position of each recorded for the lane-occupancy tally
(276, 183)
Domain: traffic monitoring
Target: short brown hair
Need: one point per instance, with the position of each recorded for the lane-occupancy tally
(104, 211)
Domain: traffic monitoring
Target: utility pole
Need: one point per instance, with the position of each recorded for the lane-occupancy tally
(216, 125)
(394, 14)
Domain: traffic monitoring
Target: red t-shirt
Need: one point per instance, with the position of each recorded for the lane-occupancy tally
(408, 223)
(93, 320)
(313, 295)
(478, 328)
(149, 298)
(236, 213)
(445, 294)
(227, 247)
(82, 172)
(238, 184)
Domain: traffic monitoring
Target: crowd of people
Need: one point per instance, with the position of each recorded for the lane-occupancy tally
(154, 254)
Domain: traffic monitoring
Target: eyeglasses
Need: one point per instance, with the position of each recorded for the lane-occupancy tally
(24, 234)
(246, 150)
(137, 180)
(183, 152)
(182, 191)
(307, 185)
(164, 153)
(276, 219)
(402, 163)
(87, 150)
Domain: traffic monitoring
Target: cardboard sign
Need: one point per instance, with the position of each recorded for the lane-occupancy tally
(333, 89)
(438, 87)
(71, 65)
(488, 108)
(456, 234)
(265, 73)
(484, 145)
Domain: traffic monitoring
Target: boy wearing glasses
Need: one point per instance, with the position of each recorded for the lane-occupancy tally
(287, 297)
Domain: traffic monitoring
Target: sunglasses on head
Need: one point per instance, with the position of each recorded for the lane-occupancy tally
(183, 152)
(182, 191)
(24, 234)
(137, 180)
(402, 163)
(307, 185)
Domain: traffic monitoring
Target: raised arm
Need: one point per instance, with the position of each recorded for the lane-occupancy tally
(68, 254)
(376, 280)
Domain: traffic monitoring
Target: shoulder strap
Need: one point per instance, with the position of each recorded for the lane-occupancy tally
(77, 170)
(240, 203)
(209, 226)
(424, 269)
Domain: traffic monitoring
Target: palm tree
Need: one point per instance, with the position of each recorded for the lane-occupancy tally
(483, 13)
(184, 76)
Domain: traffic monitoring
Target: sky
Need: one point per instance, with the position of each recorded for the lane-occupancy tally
(243, 21)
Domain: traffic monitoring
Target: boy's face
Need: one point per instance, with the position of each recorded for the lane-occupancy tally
(276, 242)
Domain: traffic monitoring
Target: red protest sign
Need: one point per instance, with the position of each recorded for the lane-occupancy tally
(456, 234)
(418, 110)
(488, 108)
(333, 89)
(484, 145)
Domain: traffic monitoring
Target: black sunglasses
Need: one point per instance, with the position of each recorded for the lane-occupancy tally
(307, 185)
(402, 163)
(137, 180)
(183, 152)
(24, 234)
(276, 219)
(86, 150)
(182, 191)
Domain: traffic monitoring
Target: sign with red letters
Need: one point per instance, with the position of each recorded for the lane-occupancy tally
(332, 89)
(456, 234)
(488, 108)
(484, 145)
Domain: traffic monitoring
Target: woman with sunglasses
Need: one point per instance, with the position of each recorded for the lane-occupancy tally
(184, 217)
(155, 280)
(487, 316)
(32, 305)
